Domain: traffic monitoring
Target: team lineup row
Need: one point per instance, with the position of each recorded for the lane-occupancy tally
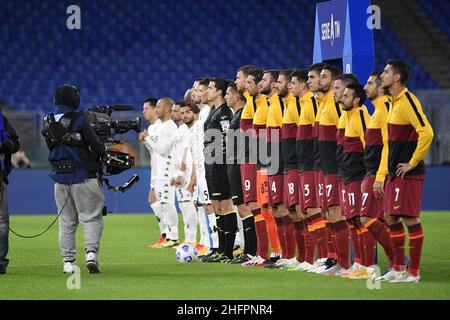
(324, 170)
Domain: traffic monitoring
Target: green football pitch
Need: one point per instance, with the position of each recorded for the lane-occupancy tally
(130, 270)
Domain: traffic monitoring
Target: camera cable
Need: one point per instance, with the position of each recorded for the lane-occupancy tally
(54, 221)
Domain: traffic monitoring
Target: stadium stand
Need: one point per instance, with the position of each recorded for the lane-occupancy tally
(439, 11)
(117, 59)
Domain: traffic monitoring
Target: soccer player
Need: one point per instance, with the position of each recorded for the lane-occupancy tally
(312, 227)
(339, 85)
(353, 171)
(317, 222)
(161, 142)
(207, 220)
(329, 118)
(410, 136)
(216, 170)
(283, 181)
(236, 101)
(376, 149)
(182, 173)
(258, 82)
(152, 117)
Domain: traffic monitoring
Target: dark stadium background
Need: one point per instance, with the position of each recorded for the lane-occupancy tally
(128, 50)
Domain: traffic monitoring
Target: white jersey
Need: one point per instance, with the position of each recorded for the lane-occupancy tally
(151, 131)
(161, 143)
(181, 152)
(198, 138)
(204, 112)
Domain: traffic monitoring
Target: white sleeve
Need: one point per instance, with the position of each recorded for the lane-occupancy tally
(164, 143)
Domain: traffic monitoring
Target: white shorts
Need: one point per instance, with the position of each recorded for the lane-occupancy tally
(201, 191)
(183, 195)
(165, 193)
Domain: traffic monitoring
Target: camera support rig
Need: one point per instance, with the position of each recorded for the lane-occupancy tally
(114, 161)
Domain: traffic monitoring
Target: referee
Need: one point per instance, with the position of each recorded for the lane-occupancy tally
(216, 126)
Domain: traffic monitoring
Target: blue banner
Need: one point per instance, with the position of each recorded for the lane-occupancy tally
(331, 18)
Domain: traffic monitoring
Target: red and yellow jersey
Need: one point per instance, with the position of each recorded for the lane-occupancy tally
(305, 131)
(340, 135)
(259, 126)
(260, 116)
(273, 126)
(376, 138)
(248, 112)
(289, 131)
(352, 158)
(329, 120)
(409, 133)
(316, 154)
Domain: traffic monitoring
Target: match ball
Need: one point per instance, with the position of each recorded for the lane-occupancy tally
(186, 253)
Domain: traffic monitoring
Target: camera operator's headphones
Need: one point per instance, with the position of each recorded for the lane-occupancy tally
(68, 95)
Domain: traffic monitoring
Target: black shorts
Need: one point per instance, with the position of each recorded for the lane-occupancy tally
(234, 178)
(217, 180)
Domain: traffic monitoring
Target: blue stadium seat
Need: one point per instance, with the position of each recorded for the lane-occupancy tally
(128, 50)
(439, 11)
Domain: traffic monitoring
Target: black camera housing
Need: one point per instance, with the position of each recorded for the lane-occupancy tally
(114, 161)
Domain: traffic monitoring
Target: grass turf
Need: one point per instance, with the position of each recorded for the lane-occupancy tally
(130, 270)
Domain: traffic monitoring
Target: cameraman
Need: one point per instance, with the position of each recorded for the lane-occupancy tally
(9, 144)
(74, 154)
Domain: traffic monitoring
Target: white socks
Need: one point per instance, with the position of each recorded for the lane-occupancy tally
(214, 235)
(190, 221)
(239, 241)
(169, 212)
(156, 207)
(204, 235)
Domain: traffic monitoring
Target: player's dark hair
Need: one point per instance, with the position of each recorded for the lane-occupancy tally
(233, 87)
(194, 108)
(246, 69)
(301, 75)
(179, 103)
(274, 74)
(151, 100)
(359, 92)
(347, 78)
(220, 84)
(257, 74)
(317, 67)
(377, 75)
(204, 82)
(402, 68)
(335, 71)
(287, 74)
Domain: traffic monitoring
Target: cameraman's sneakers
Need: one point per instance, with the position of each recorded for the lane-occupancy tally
(70, 267)
(92, 263)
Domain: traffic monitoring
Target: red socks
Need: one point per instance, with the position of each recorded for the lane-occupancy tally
(289, 237)
(381, 233)
(342, 242)
(316, 226)
(398, 245)
(330, 243)
(355, 242)
(261, 235)
(300, 239)
(285, 231)
(370, 247)
(280, 232)
(415, 248)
